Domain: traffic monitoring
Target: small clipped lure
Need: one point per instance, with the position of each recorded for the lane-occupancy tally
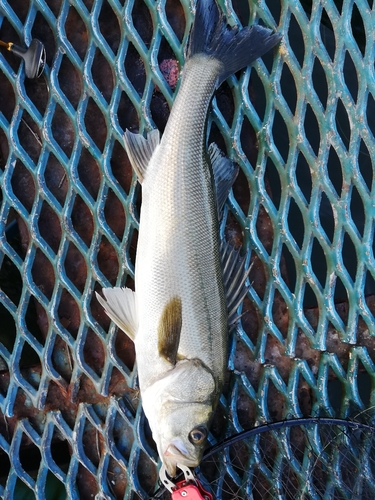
(189, 488)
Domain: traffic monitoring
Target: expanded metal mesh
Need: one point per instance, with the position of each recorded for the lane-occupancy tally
(299, 123)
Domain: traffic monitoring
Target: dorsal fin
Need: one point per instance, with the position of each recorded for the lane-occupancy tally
(140, 150)
(234, 277)
(169, 330)
(121, 307)
(225, 172)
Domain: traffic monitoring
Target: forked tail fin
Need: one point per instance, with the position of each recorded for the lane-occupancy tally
(235, 48)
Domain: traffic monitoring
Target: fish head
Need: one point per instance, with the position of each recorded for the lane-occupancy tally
(179, 408)
(183, 436)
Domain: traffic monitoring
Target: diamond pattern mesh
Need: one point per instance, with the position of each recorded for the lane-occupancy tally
(299, 123)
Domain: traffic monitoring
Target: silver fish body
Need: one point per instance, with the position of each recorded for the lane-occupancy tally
(187, 284)
(178, 245)
(178, 256)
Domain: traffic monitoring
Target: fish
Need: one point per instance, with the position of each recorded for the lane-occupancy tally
(188, 283)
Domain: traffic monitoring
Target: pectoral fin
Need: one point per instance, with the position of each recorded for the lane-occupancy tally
(225, 172)
(140, 150)
(121, 307)
(169, 330)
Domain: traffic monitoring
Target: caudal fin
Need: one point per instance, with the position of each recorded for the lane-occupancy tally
(235, 48)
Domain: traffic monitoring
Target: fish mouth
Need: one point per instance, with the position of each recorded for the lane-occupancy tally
(176, 454)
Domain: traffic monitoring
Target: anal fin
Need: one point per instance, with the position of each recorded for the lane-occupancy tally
(234, 276)
(121, 307)
(140, 150)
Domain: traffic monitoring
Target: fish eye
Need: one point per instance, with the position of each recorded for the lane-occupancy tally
(198, 435)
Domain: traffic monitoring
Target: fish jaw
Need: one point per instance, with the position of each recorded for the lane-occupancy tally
(176, 454)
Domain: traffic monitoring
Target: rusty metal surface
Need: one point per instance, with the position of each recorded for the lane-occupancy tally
(69, 401)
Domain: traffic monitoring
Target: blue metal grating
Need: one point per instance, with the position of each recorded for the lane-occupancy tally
(300, 123)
